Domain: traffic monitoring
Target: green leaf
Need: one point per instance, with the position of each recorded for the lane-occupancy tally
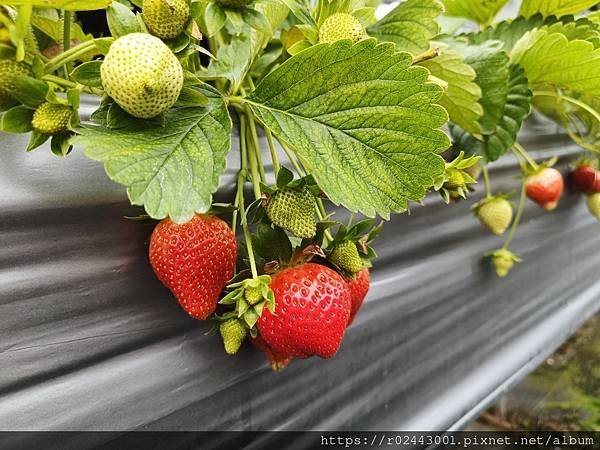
(491, 66)
(88, 74)
(362, 119)
(411, 25)
(71, 5)
(272, 244)
(54, 28)
(256, 20)
(232, 61)
(300, 9)
(121, 20)
(30, 92)
(551, 59)
(462, 97)
(171, 170)
(214, 17)
(554, 7)
(36, 139)
(481, 11)
(516, 109)
(17, 120)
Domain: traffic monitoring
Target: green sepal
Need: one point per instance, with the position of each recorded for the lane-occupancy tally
(30, 92)
(17, 120)
(61, 144)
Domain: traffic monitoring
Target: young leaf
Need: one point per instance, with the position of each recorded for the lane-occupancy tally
(411, 25)
(462, 97)
(551, 59)
(362, 119)
(482, 12)
(171, 170)
(516, 109)
(121, 20)
(555, 7)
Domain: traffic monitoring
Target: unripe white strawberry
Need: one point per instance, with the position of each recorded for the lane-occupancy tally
(165, 18)
(341, 26)
(142, 75)
(593, 204)
(495, 214)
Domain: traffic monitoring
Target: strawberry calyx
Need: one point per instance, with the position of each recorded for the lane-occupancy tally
(455, 182)
(250, 296)
(529, 170)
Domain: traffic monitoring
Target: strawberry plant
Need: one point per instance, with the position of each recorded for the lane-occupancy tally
(348, 107)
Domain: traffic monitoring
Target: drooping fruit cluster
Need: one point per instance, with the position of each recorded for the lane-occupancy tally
(194, 260)
(142, 75)
(341, 26)
(165, 18)
(50, 118)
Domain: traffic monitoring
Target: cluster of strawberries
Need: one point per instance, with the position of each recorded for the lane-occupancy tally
(295, 307)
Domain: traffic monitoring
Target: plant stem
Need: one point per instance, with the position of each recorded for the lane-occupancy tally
(595, 114)
(517, 220)
(67, 19)
(70, 84)
(292, 158)
(241, 173)
(240, 195)
(70, 55)
(425, 56)
(256, 143)
(486, 180)
(273, 151)
(254, 171)
(525, 155)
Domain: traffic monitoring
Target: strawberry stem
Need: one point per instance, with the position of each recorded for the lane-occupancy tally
(67, 19)
(595, 114)
(521, 151)
(273, 151)
(255, 143)
(517, 220)
(486, 180)
(70, 55)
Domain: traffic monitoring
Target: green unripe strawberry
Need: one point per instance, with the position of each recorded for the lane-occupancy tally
(52, 119)
(345, 255)
(165, 18)
(142, 75)
(235, 4)
(503, 261)
(233, 331)
(253, 295)
(341, 26)
(495, 213)
(593, 204)
(455, 179)
(293, 210)
(10, 72)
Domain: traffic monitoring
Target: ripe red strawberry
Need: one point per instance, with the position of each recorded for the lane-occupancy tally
(545, 187)
(359, 287)
(586, 179)
(278, 362)
(312, 306)
(194, 260)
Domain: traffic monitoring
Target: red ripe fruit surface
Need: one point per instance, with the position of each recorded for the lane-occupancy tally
(194, 260)
(586, 179)
(312, 307)
(545, 187)
(359, 287)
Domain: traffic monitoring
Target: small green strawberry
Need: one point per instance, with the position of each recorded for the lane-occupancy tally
(503, 261)
(233, 331)
(250, 296)
(593, 204)
(165, 18)
(345, 255)
(293, 209)
(234, 4)
(341, 26)
(495, 213)
(50, 118)
(253, 295)
(455, 179)
(10, 72)
(142, 75)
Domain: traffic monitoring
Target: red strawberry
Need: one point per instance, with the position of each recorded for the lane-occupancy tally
(194, 260)
(278, 362)
(358, 286)
(545, 187)
(586, 179)
(312, 306)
